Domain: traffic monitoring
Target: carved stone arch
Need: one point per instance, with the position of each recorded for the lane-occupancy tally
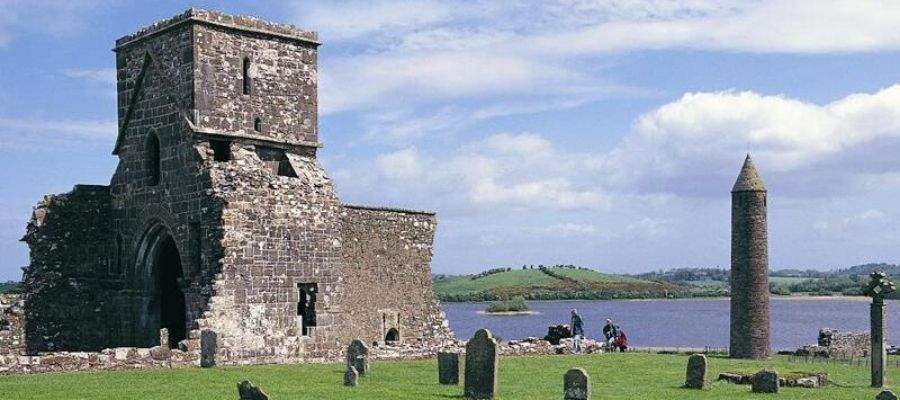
(158, 286)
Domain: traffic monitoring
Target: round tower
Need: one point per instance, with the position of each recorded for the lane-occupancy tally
(749, 266)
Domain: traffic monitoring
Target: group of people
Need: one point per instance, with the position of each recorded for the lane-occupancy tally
(615, 336)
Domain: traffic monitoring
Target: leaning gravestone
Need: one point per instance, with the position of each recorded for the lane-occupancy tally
(351, 377)
(695, 378)
(358, 357)
(481, 366)
(886, 395)
(246, 391)
(448, 368)
(765, 381)
(164, 337)
(207, 348)
(576, 385)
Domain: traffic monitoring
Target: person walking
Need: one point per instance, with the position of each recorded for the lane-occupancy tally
(577, 331)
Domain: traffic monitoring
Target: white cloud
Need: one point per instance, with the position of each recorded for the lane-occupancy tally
(408, 53)
(403, 164)
(683, 144)
(19, 133)
(571, 230)
(101, 75)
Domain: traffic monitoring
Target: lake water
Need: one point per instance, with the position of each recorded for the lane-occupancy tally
(676, 323)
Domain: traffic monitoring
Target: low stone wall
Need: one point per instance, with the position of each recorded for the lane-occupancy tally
(12, 325)
(108, 359)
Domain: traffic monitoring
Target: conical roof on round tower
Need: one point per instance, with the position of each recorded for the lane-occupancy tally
(749, 180)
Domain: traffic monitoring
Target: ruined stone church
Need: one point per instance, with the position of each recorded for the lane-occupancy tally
(219, 216)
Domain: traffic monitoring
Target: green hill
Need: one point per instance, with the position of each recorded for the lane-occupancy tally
(548, 283)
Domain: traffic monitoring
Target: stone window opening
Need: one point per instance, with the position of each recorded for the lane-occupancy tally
(246, 75)
(306, 307)
(153, 160)
(257, 124)
(221, 149)
(276, 160)
(115, 267)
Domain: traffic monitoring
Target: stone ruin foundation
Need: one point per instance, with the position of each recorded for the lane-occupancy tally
(833, 343)
(218, 218)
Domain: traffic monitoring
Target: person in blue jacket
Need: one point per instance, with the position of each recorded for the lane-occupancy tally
(577, 331)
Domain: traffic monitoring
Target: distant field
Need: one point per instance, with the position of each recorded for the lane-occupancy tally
(614, 376)
(789, 280)
(549, 284)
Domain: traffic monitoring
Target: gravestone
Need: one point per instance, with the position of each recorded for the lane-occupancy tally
(246, 391)
(358, 356)
(481, 366)
(877, 288)
(695, 378)
(886, 395)
(351, 377)
(448, 368)
(208, 348)
(164, 337)
(576, 385)
(765, 381)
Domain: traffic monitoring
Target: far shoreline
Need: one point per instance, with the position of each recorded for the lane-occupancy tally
(716, 298)
(507, 313)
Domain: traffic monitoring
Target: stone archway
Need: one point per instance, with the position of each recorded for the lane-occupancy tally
(158, 283)
(393, 335)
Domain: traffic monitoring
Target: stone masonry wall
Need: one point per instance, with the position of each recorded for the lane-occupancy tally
(68, 281)
(283, 94)
(280, 231)
(749, 276)
(155, 92)
(387, 275)
(12, 325)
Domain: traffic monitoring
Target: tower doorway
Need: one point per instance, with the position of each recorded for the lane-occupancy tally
(169, 297)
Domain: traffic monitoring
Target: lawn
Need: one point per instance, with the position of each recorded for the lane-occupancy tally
(613, 376)
(515, 278)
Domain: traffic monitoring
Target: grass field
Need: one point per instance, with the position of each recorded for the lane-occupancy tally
(530, 281)
(465, 283)
(613, 376)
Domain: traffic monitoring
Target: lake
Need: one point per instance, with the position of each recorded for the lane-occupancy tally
(677, 323)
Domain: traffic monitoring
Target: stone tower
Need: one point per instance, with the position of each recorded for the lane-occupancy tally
(219, 216)
(749, 266)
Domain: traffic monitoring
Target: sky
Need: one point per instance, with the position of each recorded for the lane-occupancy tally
(602, 133)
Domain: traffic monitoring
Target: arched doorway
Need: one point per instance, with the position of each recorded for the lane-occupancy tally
(392, 335)
(168, 271)
(158, 284)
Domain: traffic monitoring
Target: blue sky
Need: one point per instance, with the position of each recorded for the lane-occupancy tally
(599, 133)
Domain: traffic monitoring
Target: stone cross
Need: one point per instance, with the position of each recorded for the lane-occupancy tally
(351, 377)
(877, 288)
(448, 368)
(208, 348)
(358, 356)
(246, 391)
(695, 378)
(164, 337)
(576, 385)
(481, 366)
(765, 381)
(886, 395)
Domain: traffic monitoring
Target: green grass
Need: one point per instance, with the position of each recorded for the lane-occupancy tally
(583, 275)
(613, 376)
(465, 284)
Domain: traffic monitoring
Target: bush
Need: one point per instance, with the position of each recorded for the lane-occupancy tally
(515, 304)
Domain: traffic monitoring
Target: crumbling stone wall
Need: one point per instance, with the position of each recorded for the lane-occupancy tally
(12, 325)
(280, 231)
(387, 276)
(67, 284)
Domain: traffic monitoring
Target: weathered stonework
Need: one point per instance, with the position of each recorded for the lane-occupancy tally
(749, 267)
(219, 216)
